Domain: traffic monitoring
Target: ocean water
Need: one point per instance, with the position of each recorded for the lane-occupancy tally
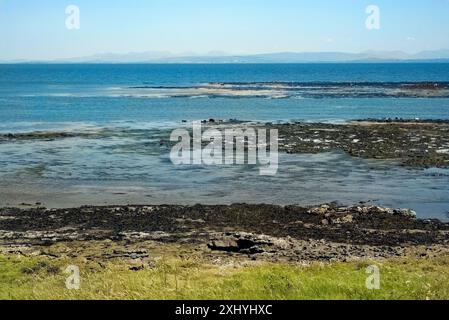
(117, 115)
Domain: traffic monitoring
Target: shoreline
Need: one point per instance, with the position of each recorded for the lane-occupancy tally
(381, 144)
(293, 234)
(222, 252)
(414, 143)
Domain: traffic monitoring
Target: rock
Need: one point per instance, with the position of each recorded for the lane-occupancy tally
(384, 210)
(362, 210)
(348, 219)
(406, 213)
(344, 220)
(320, 210)
(133, 255)
(348, 232)
(246, 243)
(137, 267)
(227, 244)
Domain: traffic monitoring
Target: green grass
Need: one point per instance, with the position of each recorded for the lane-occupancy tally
(43, 278)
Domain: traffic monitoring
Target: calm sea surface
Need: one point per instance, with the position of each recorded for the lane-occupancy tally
(118, 113)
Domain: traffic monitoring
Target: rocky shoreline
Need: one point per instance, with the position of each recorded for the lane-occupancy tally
(259, 232)
(238, 232)
(413, 143)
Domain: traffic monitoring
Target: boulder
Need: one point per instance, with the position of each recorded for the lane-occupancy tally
(246, 243)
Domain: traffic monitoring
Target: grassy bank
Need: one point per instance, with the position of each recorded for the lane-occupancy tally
(44, 278)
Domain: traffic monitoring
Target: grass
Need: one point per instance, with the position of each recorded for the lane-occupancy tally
(175, 278)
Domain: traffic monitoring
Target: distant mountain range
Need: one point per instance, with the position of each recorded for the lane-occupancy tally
(280, 57)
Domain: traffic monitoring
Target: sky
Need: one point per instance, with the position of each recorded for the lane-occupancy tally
(36, 30)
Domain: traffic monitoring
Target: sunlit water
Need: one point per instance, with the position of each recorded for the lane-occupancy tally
(123, 162)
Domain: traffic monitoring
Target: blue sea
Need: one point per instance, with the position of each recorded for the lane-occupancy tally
(116, 115)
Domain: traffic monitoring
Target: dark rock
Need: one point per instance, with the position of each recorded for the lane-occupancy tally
(240, 242)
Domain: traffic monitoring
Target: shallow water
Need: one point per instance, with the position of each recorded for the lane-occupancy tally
(115, 156)
(132, 167)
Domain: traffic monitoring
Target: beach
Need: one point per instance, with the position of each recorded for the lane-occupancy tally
(88, 181)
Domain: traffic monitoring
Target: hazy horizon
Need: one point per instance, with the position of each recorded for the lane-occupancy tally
(39, 32)
(272, 57)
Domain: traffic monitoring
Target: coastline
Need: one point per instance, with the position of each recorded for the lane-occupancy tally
(233, 243)
(289, 233)
(226, 252)
(394, 153)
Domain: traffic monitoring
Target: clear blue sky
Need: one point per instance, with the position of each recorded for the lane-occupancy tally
(35, 29)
